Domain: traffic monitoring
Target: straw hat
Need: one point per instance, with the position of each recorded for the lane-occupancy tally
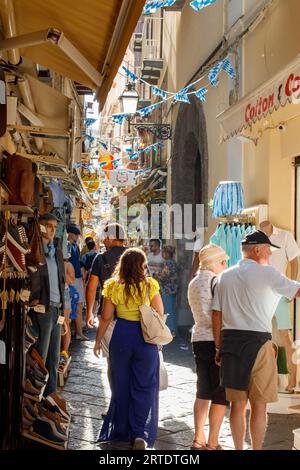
(211, 254)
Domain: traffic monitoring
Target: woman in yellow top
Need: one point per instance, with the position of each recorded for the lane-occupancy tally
(133, 410)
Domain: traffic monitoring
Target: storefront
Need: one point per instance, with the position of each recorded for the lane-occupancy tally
(268, 122)
(40, 148)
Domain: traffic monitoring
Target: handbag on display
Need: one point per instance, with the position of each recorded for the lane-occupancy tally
(36, 256)
(163, 374)
(154, 328)
(19, 179)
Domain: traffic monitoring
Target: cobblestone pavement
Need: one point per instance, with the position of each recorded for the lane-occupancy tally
(87, 391)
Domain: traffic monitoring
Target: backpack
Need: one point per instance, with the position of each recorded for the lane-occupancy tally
(88, 260)
(109, 262)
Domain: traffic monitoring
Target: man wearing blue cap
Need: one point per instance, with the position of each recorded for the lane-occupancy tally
(73, 236)
(245, 301)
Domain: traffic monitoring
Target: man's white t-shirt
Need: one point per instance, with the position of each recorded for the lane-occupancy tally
(198, 245)
(288, 249)
(248, 294)
(155, 262)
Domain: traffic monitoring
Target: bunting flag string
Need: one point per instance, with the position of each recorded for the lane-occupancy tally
(227, 67)
(152, 6)
(133, 77)
(214, 74)
(200, 94)
(158, 92)
(200, 4)
(135, 155)
(89, 121)
(146, 111)
(183, 97)
(183, 94)
(119, 118)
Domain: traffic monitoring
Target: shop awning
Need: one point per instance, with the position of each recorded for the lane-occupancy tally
(283, 88)
(82, 40)
(155, 182)
(52, 108)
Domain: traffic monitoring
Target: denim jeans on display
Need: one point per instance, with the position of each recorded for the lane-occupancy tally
(48, 343)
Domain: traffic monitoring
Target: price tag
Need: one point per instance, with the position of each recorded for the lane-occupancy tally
(24, 295)
(39, 308)
(61, 320)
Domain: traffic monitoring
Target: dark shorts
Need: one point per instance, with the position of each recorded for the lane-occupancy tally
(208, 373)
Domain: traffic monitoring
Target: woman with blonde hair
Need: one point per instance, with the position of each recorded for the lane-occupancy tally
(133, 410)
(210, 396)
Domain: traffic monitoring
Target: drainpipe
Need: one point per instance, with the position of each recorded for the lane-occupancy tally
(9, 23)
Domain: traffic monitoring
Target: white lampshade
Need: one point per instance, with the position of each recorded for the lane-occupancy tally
(129, 99)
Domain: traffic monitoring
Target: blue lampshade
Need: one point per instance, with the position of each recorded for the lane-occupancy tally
(228, 199)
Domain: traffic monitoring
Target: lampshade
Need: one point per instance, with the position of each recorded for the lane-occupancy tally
(129, 99)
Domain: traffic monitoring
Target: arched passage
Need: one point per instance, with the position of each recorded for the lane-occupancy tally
(189, 183)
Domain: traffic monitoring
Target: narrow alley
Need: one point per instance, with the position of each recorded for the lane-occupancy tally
(88, 394)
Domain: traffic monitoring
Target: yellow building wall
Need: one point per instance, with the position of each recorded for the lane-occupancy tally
(269, 175)
(189, 39)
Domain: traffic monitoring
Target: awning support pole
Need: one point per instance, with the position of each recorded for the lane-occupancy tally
(59, 39)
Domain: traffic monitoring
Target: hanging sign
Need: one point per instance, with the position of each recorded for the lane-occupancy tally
(121, 178)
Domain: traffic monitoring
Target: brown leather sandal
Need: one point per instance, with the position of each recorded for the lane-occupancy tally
(218, 447)
(197, 445)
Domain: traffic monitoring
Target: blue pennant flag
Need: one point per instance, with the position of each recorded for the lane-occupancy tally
(89, 121)
(186, 89)
(227, 67)
(104, 145)
(148, 149)
(213, 74)
(133, 156)
(89, 138)
(146, 111)
(182, 97)
(201, 94)
(200, 4)
(119, 118)
(130, 74)
(157, 91)
(152, 6)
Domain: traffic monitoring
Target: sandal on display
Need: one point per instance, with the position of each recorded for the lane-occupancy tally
(198, 445)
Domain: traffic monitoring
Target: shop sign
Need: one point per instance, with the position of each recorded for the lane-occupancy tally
(286, 90)
(281, 89)
(122, 178)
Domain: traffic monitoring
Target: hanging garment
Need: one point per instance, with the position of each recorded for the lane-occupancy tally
(229, 237)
